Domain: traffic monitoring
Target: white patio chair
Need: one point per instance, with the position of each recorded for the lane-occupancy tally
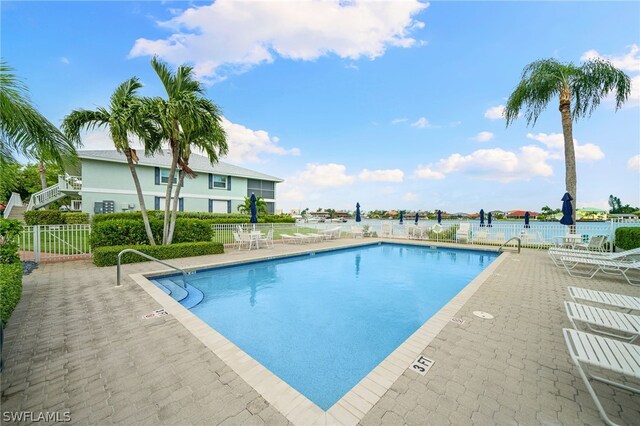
(462, 233)
(357, 231)
(244, 239)
(587, 350)
(596, 243)
(595, 319)
(611, 267)
(481, 237)
(267, 239)
(620, 301)
(286, 238)
(387, 230)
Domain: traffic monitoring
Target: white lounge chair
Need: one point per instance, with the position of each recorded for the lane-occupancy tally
(620, 301)
(557, 253)
(612, 267)
(462, 233)
(332, 233)
(587, 350)
(306, 238)
(627, 325)
(286, 238)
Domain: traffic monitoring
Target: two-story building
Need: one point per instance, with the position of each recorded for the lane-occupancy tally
(104, 184)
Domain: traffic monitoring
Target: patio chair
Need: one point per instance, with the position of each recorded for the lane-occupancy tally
(387, 230)
(267, 239)
(244, 239)
(612, 267)
(481, 237)
(463, 232)
(357, 231)
(587, 350)
(286, 238)
(596, 243)
(595, 319)
(620, 301)
(306, 238)
(556, 253)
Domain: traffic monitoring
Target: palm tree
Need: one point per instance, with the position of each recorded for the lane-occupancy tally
(23, 130)
(127, 116)
(188, 121)
(584, 86)
(261, 206)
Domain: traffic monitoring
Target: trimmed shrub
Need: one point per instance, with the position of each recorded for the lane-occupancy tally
(10, 288)
(628, 238)
(209, 217)
(108, 256)
(132, 232)
(73, 218)
(192, 230)
(43, 217)
(104, 217)
(10, 229)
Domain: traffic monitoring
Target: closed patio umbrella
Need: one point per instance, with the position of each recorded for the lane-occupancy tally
(567, 210)
(526, 219)
(401, 217)
(254, 209)
(439, 216)
(416, 218)
(358, 218)
(482, 217)
(489, 217)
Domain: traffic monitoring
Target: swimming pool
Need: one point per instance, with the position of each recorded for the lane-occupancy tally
(322, 322)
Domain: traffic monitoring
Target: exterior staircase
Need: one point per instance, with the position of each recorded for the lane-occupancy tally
(67, 185)
(17, 212)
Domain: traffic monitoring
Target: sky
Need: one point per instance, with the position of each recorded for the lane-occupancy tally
(395, 105)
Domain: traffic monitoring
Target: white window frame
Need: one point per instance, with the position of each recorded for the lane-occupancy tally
(225, 182)
(164, 177)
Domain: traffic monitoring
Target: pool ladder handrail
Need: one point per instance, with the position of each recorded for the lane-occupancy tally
(508, 241)
(139, 253)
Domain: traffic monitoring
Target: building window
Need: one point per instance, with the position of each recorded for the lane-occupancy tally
(219, 182)
(164, 176)
(262, 188)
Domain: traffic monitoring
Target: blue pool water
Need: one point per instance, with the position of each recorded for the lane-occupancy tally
(322, 322)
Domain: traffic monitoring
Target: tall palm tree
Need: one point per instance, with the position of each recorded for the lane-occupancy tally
(127, 116)
(583, 86)
(188, 121)
(24, 131)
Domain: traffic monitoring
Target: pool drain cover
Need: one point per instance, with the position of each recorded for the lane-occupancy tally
(483, 315)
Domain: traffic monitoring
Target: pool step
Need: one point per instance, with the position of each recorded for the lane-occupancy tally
(194, 297)
(178, 292)
(189, 297)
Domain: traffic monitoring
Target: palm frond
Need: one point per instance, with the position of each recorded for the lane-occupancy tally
(598, 78)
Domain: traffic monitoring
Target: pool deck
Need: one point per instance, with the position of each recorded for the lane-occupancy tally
(78, 344)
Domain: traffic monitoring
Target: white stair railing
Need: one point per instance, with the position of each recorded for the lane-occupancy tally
(14, 201)
(44, 197)
(69, 183)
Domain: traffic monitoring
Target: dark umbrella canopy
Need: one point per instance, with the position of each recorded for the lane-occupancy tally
(439, 216)
(254, 209)
(358, 218)
(489, 217)
(481, 217)
(526, 219)
(416, 218)
(401, 217)
(567, 210)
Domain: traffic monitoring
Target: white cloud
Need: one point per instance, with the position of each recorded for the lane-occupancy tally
(483, 137)
(495, 113)
(555, 143)
(421, 123)
(634, 96)
(399, 120)
(65, 60)
(634, 163)
(248, 146)
(455, 123)
(390, 175)
(627, 62)
(492, 164)
(426, 172)
(234, 36)
(409, 196)
(329, 175)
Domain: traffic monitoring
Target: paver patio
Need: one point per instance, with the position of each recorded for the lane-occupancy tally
(77, 344)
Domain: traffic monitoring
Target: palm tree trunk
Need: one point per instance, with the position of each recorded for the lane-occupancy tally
(143, 209)
(42, 171)
(174, 207)
(569, 151)
(167, 199)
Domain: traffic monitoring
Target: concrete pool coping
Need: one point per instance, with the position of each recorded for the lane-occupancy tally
(355, 404)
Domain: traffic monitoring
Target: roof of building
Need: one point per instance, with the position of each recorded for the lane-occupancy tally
(591, 210)
(197, 162)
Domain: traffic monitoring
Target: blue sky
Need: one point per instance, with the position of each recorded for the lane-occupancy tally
(395, 105)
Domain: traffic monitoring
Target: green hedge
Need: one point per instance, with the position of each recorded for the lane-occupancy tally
(10, 230)
(10, 288)
(628, 238)
(108, 256)
(210, 217)
(54, 217)
(132, 232)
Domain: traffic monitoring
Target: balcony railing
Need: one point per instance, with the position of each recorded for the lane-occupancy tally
(69, 183)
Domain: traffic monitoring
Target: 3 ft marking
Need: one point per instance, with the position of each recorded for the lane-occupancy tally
(422, 365)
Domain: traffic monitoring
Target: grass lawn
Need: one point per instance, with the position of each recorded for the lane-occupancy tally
(58, 241)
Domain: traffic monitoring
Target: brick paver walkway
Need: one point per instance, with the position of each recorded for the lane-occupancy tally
(77, 344)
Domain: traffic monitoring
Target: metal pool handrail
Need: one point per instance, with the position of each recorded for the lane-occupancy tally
(508, 241)
(139, 253)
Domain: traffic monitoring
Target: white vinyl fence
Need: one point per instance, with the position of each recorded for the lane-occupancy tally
(52, 243)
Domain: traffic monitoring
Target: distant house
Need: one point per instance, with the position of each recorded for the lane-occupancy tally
(519, 214)
(104, 184)
(591, 214)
